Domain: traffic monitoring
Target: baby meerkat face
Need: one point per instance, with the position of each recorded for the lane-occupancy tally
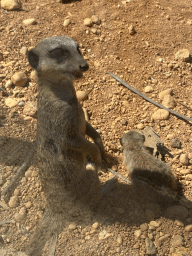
(132, 138)
(58, 58)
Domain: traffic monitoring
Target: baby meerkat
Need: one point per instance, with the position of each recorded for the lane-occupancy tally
(144, 166)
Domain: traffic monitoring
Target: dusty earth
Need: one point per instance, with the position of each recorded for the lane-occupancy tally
(126, 223)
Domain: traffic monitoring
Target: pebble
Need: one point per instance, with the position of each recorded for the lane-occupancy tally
(176, 241)
(184, 159)
(119, 240)
(88, 237)
(28, 205)
(66, 22)
(19, 79)
(177, 211)
(9, 102)
(33, 76)
(88, 22)
(179, 223)
(95, 225)
(10, 5)
(91, 167)
(175, 143)
(28, 174)
(150, 247)
(30, 109)
(13, 202)
(132, 30)
(185, 172)
(148, 89)
(95, 19)
(81, 95)
(104, 235)
(21, 103)
(140, 126)
(165, 92)
(170, 136)
(94, 31)
(164, 238)
(188, 228)
(137, 233)
(29, 22)
(183, 55)
(8, 84)
(17, 192)
(160, 114)
(169, 102)
(1, 56)
(72, 226)
(144, 227)
(24, 50)
(154, 224)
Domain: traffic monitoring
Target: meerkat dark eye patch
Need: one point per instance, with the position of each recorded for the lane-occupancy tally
(58, 53)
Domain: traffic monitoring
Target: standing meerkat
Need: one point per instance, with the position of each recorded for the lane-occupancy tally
(144, 166)
(61, 143)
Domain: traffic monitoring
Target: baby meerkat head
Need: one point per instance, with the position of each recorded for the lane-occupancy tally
(57, 58)
(132, 138)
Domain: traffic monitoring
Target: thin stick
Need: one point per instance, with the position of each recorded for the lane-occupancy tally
(148, 99)
(119, 175)
(8, 190)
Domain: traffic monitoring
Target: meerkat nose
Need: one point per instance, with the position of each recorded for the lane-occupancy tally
(84, 67)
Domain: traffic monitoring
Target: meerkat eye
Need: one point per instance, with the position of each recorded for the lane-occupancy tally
(58, 53)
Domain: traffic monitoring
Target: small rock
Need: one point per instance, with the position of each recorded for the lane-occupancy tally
(144, 227)
(30, 109)
(137, 233)
(160, 114)
(119, 240)
(81, 95)
(169, 102)
(150, 247)
(72, 226)
(8, 84)
(132, 30)
(88, 22)
(184, 159)
(88, 237)
(29, 22)
(95, 19)
(33, 76)
(154, 224)
(95, 225)
(181, 251)
(94, 31)
(188, 228)
(104, 235)
(163, 239)
(28, 174)
(177, 211)
(175, 143)
(13, 202)
(24, 50)
(179, 223)
(140, 126)
(183, 55)
(91, 167)
(11, 102)
(10, 5)
(176, 241)
(148, 89)
(1, 56)
(17, 192)
(66, 22)
(185, 172)
(28, 205)
(21, 103)
(170, 136)
(165, 92)
(19, 79)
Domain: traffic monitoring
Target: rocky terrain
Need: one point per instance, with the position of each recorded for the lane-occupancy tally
(146, 43)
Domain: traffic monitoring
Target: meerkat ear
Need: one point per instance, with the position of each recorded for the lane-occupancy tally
(33, 59)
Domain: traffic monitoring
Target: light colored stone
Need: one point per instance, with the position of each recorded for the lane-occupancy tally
(165, 92)
(88, 22)
(29, 22)
(30, 109)
(184, 159)
(119, 240)
(176, 241)
(66, 22)
(169, 102)
(185, 172)
(137, 233)
(95, 19)
(19, 79)
(104, 235)
(81, 95)
(72, 226)
(154, 224)
(33, 76)
(190, 155)
(164, 238)
(150, 247)
(144, 227)
(160, 114)
(95, 225)
(8, 84)
(17, 192)
(177, 211)
(24, 50)
(188, 228)
(132, 30)
(170, 136)
(10, 5)
(28, 205)
(140, 126)
(28, 173)
(13, 202)
(183, 55)
(9, 102)
(148, 89)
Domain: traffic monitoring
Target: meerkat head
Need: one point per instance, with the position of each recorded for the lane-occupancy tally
(57, 58)
(132, 138)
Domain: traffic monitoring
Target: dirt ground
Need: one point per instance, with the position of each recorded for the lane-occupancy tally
(128, 224)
